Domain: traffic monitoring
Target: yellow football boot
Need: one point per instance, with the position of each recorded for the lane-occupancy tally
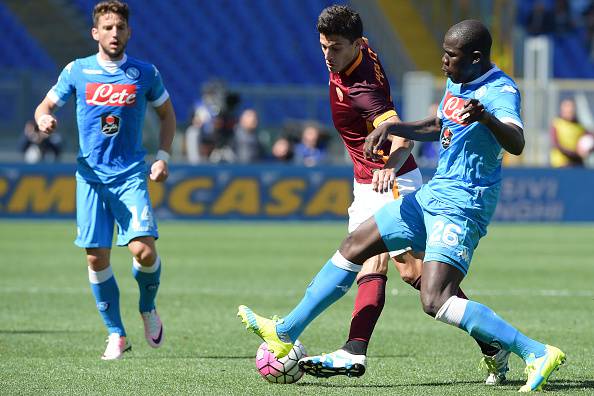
(539, 369)
(266, 330)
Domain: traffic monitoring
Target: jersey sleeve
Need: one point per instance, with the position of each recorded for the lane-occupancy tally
(157, 94)
(505, 104)
(371, 102)
(62, 90)
(439, 113)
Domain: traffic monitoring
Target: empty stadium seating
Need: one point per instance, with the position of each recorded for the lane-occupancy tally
(241, 42)
(19, 50)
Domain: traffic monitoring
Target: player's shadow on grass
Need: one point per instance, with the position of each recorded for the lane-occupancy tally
(35, 331)
(557, 384)
(372, 385)
(552, 386)
(569, 384)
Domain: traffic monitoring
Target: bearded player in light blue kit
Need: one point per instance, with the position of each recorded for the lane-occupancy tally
(112, 91)
(478, 118)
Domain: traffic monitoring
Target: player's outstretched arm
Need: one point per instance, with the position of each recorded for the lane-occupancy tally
(383, 179)
(509, 136)
(426, 130)
(46, 122)
(159, 169)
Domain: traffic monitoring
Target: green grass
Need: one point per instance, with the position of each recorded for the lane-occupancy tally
(539, 277)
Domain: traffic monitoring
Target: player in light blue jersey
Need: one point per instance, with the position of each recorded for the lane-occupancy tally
(112, 91)
(478, 118)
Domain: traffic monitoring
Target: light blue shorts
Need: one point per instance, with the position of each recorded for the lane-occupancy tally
(444, 234)
(100, 206)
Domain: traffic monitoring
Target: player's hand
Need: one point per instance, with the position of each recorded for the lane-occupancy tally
(472, 111)
(47, 123)
(383, 180)
(159, 171)
(374, 141)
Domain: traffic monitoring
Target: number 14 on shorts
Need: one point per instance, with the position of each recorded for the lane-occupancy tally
(142, 223)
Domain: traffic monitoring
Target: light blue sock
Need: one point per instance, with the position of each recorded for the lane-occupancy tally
(484, 324)
(148, 283)
(107, 297)
(329, 285)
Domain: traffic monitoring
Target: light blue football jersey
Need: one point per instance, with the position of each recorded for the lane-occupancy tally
(468, 175)
(111, 99)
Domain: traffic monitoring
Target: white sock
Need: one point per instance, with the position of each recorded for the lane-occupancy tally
(100, 276)
(339, 261)
(148, 270)
(452, 311)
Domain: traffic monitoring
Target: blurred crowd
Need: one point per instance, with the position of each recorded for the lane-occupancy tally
(37, 146)
(220, 133)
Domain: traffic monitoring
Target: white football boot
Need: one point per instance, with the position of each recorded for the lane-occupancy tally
(497, 367)
(116, 346)
(339, 362)
(153, 328)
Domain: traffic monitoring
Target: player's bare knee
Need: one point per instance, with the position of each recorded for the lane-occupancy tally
(347, 247)
(408, 274)
(409, 267)
(98, 259)
(146, 257)
(144, 253)
(408, 278)
(431, 302)
(97, 263)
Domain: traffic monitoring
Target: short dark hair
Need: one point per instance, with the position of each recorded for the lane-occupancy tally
(473, 35)
(110, 6)
(342, 21)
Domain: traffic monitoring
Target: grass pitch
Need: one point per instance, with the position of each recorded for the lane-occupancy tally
(538, 277)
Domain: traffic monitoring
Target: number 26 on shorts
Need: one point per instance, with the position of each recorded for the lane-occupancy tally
(445, 233)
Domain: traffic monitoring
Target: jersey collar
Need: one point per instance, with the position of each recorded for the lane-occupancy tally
(356, 63)
(111, 66)
(482, 78)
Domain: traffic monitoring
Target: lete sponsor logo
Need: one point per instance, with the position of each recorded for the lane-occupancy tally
(452, 107)
(110, 94)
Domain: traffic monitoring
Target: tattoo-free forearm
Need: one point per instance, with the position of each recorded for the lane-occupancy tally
(426, 130)
(168, 125)
(509, 136)
(398, 157)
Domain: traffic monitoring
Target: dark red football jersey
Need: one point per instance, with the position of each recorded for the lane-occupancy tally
(360, 100)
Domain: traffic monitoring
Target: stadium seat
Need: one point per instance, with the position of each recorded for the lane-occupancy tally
(23, 50)
(236, 41)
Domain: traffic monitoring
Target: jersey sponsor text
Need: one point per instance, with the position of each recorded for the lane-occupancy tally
(98, 94)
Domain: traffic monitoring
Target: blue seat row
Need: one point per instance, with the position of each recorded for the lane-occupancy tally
(19, 50)
(238, 41)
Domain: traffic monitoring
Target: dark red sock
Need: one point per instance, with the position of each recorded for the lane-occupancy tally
(369, 303)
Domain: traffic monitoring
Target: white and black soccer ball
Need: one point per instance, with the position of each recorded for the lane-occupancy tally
(280, 371)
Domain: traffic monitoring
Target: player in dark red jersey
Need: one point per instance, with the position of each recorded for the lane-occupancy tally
(360, 100)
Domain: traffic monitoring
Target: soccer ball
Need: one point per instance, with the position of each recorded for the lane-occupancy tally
(281, 371)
